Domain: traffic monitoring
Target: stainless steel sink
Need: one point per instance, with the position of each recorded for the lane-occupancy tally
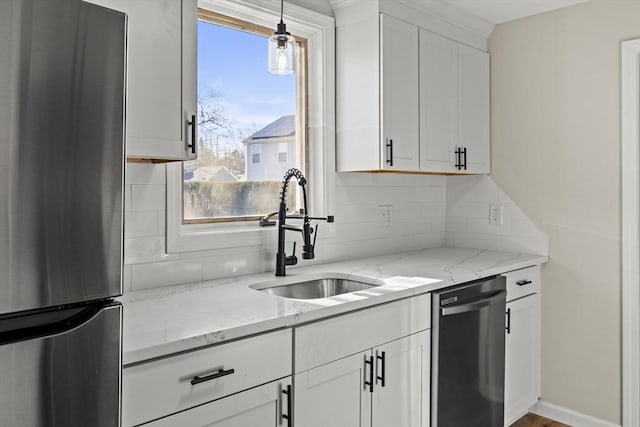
(318, 288)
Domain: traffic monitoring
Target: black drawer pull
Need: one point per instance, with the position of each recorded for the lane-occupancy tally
(220, 373)
(523, 282)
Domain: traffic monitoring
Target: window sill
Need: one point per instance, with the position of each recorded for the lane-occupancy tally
(204, 237)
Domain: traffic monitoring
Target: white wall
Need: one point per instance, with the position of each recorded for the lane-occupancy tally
(556, 152)
(419, 213)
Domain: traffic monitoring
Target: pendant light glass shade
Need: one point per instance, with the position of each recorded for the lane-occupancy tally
(282, 50)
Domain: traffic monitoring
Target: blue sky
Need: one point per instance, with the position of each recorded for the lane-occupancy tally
(234, 64)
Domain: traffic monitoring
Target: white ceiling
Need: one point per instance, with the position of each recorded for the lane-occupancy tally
(498, 11)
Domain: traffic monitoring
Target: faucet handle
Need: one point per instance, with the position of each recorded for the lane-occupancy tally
(328, 218)
(309, 248)
(291, 259)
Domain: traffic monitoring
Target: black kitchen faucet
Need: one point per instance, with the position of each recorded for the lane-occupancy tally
(282, 260)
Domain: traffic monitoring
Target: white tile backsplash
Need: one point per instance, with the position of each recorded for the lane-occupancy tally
(468, 203)
(428, 211)
(141, 224)
(147, 197)
(126, 278)
(146, 173)
(163, 273)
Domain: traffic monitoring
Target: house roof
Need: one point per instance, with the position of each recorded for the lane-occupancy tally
(210, 173)
(284, 126)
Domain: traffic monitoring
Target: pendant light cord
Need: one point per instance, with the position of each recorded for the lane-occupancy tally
(281, 9)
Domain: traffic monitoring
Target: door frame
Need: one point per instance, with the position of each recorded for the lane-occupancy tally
(630, 164)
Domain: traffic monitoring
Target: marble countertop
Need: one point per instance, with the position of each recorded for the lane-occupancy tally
(163, 321)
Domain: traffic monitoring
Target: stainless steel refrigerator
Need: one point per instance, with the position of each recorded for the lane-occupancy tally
(62, 86)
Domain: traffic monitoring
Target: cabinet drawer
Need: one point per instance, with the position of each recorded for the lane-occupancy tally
(523, 282)
(162, 387)
(259, 406)
(328, 340)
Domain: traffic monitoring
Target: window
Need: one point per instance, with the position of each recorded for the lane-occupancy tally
(318, 32)
(245, 118)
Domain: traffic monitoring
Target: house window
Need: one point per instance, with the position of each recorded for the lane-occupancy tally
(245, 117)
(315, 123)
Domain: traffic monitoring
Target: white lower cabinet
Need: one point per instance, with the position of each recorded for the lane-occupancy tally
(380, 387)
(403, 398)
(263, 406)
(370, 368)
(191, 389)
(522, 346)
(333, 394)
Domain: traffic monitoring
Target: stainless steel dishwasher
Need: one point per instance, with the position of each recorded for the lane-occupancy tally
(467, 368)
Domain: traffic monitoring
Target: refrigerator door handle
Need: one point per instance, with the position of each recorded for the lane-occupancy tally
(46, 323)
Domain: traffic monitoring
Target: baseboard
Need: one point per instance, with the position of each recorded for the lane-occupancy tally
(567, 416)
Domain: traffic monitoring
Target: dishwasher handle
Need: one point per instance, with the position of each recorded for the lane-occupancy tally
(474, 305)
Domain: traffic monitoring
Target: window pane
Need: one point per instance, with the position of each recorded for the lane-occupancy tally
(247, 124)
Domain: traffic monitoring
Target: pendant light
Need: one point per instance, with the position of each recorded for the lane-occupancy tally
(282, 49)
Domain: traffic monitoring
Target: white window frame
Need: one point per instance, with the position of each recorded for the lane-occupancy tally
(319, 30)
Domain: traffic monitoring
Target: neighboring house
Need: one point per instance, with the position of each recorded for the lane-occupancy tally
(208, 173)
(271, 151)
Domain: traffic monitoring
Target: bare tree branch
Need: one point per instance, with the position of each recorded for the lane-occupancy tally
(211, 114)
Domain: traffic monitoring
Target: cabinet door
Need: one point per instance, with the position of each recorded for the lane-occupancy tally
(399, 103)
(474, 108)
(262, 406)
(438, 102)
(522, 358)
(403, 398)
(334, 394)
(161, 76)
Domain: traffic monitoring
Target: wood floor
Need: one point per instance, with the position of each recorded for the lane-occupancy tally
(531, 420)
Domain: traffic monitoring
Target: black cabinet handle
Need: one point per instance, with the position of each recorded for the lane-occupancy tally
(219, 373)
(192, 123)
(390, 152)
(464, 153)
(523, 282)
(458, 154)
(508, 328)
(368, 361)
(461, 158)
(380, 358)
(287, 416)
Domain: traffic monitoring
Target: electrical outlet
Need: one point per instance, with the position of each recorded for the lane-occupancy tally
(384, 215)
(496, 214)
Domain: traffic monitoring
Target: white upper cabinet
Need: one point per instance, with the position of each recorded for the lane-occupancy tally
(377, 93)
(474, 108)
(399, 87)
(454, 106)
(409, 99)
(438, 102)
(161, 77)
